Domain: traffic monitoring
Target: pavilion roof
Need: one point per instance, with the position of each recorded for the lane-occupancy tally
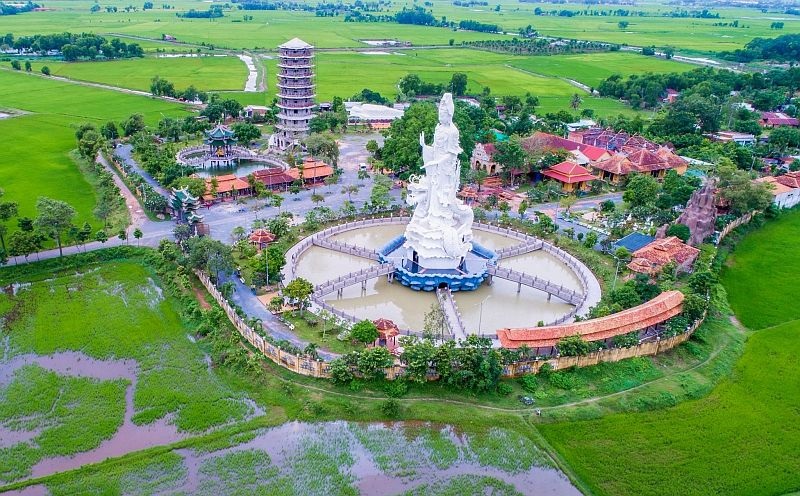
(569, 173)
(261, 236)
(227, 182)
(273, 176)
(220, 132)
(386, 328)
(312, 169)
(662, 307)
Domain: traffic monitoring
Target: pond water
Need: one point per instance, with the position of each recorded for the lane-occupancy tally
(245, 168)
(483, 311)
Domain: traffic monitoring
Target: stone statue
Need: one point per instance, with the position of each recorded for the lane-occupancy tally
(440, 232)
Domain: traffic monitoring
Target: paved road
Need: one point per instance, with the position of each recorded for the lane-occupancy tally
(124, 152)
(244, 297)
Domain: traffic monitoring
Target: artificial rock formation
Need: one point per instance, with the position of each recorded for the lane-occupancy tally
(700, 215)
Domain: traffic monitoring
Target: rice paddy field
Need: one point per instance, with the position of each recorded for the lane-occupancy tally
(740, 439)
(270, 28)
(128, 385)
(35, 157)
(206, 73)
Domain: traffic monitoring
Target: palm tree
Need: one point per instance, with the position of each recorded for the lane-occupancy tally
(576, 101)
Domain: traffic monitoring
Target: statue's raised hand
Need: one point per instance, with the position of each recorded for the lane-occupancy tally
(422, 139)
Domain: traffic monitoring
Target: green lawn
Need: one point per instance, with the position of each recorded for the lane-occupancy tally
(205, 73)
(35, 157)
(758, 275)
(743, 437)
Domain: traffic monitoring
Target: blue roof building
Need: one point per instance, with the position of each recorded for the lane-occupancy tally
(633, 242)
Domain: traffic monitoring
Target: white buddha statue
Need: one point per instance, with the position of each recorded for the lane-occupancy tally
(440, 232)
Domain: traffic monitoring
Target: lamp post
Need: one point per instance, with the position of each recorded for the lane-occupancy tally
(480, 315)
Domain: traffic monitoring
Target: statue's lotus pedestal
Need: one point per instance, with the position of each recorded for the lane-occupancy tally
(430, 273)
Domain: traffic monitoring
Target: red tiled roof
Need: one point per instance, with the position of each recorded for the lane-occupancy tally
(652, 257)
(664, 306)
(790, 179)
(569, 173)
(226, 183)
(312, 169)
(273, 176)
(779, 119)
(618, 164)
(262, 236)
(544, 140)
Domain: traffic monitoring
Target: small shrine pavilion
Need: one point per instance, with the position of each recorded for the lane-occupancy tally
(387, 334)
(220, 141)
(260, 238)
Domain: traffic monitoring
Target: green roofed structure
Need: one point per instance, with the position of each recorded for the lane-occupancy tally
(184, 206)
(220, 141)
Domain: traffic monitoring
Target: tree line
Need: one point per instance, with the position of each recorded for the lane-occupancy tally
(6, 9)
(74, 46)
(785, 48)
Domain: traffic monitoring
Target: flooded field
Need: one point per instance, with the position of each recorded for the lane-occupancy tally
(483, 311)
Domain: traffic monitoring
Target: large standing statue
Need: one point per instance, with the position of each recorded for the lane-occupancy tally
(440, 232)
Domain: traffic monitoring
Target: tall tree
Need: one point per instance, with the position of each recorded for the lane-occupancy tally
(54, 218)
(7, 211)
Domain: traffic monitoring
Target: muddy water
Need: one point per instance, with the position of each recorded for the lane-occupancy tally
(411, 463)
(129, 437)
(483, 311)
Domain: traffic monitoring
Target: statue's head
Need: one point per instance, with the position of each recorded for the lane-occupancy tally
(446, 109)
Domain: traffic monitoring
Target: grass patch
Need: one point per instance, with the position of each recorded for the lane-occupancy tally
(37, 145)
(761, 265)
(741, 438)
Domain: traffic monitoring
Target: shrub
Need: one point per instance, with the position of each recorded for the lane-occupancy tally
(530, 382)
(340, 371)
(390, 408)
(545, 371)
(396, 388)
(504, 389)
(564, 380)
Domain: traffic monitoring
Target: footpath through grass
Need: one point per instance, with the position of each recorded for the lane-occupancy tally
(741, 439)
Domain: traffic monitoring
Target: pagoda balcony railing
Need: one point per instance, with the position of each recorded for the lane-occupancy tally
(293, 105)
(291, 127)
(296, 74)
(295, 64)
(293, 117)
(298, 82)
(295, 54)
(304, 95)
(305, 86)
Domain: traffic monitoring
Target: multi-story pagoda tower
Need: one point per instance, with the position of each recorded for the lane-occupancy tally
(295, 92)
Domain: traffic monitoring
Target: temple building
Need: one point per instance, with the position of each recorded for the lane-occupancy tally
(652, 258)
(312, 171)
(571, 176)
(295, 92)
(220, 141)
